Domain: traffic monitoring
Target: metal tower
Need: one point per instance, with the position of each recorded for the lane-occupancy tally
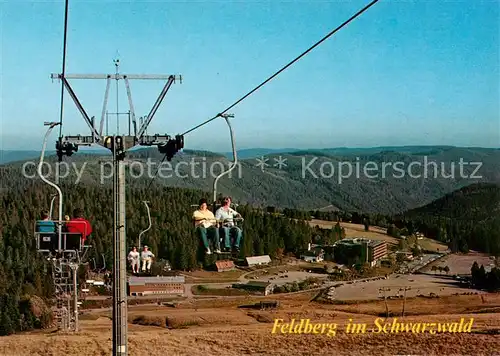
(119, 145)
(64, 274)
(62, 282)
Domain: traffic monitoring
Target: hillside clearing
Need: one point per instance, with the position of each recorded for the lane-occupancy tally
(461, 263)
(357, 230)
(431, 245)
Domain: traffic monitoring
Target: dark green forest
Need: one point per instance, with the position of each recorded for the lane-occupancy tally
(298, 185)
(468, 218)
(464, 220)
(485, 280)
(24, 273)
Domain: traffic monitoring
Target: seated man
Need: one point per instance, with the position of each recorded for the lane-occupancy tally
(226, 215)
(78, 224)
(46, 225)
(147, 259)
(205, 223)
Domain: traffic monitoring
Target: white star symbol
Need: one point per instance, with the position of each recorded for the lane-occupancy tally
(280, 162)
(261, 162)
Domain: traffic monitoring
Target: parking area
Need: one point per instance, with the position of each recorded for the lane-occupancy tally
(462, 263)
(290, 277)
(418, 263)
(419, 285)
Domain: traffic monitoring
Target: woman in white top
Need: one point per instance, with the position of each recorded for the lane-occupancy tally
(133, 258)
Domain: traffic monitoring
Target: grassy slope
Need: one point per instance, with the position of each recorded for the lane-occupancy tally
(219, 328)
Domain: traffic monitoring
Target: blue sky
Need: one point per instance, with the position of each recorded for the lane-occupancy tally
(403, 73)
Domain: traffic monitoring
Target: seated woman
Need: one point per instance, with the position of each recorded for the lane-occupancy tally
(45, 225)
(205, 223)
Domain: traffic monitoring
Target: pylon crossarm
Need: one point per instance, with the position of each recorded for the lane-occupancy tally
(118, 76)
(104, 105)
(155, 107)
(86, 117)
(131, 105)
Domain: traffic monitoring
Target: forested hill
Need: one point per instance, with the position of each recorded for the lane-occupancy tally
(171, 235)
(24, 273)
(386, 182)
(476, 203)
(468, 218)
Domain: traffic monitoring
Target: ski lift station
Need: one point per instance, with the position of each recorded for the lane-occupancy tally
(141, 286)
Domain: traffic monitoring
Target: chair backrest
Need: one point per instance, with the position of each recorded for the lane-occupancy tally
(45, 226)
(72, 241)
(77, 227)
(47, 241)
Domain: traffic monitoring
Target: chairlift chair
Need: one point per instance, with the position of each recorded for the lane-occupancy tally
(48, 242)
(215, 204)
(103, 263)
(97, 269)
(139, 242)
(59, 242)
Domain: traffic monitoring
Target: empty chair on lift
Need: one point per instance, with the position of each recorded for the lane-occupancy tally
(78, 230)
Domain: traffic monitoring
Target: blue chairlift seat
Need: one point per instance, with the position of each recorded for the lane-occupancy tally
(47, 226)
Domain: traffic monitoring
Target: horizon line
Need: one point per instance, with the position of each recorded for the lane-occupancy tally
(283, 148)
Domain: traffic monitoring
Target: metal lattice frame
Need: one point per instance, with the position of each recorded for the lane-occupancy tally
(118, 145)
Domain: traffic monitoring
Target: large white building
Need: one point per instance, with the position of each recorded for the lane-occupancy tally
(258, 260)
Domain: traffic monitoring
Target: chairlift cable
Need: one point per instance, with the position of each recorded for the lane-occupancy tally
(63, 67)
(269, 79)
(285, 67)
(156, 173)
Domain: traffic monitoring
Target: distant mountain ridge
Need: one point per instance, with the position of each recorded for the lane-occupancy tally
(7, 156)
(304, 181)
